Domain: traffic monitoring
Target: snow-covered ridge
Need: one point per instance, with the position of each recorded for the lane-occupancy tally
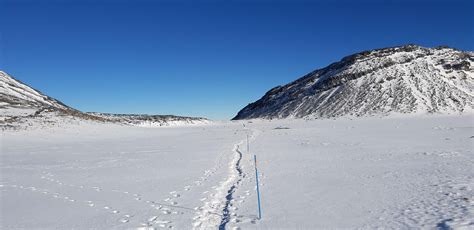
(22, 107)
(16, 94)
(405, 79)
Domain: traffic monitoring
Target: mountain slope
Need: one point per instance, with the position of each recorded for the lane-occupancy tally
(14, 93)
(405, 79)
(23, 106)
(19, 102)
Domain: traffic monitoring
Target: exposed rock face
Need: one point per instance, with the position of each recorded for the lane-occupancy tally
(406, 79)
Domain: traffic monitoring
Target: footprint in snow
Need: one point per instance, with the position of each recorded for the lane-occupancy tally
(154, 221)
(123, 220)
(235, 220)
(67, 198)
(153, 218)
(163, 222)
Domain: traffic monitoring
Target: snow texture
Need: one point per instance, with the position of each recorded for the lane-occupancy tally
(392, 172)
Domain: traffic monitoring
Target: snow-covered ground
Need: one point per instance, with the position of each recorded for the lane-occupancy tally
(362, 173)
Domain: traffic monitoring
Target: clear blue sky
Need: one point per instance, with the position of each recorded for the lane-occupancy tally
(206, 58)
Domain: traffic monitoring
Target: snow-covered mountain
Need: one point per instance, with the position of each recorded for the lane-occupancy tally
(20, 103)
(21, 106)
(15, 94)
(405, 79)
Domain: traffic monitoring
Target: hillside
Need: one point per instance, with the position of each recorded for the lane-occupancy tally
(406, 79)
(23, 107)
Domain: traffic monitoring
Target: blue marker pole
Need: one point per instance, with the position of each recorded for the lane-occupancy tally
(258, 190)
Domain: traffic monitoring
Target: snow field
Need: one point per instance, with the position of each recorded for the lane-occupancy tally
(393, 172)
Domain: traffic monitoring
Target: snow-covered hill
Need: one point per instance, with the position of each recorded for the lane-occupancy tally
(16, 94)
(17, 98)
(21, 106)
(405, 79)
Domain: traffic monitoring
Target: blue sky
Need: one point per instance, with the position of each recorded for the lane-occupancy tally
(203, 58)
